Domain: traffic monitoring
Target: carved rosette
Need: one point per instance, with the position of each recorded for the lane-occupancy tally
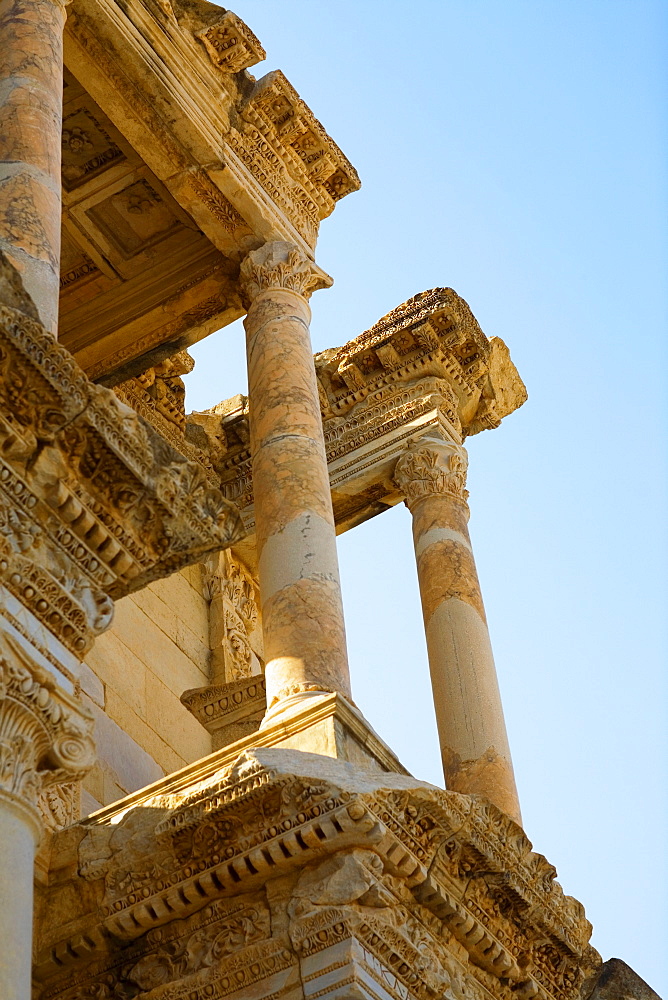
(281, 265)
(432, 468)
(45, 737)
(231, 44)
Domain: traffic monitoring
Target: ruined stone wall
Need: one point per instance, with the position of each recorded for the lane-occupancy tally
(156, 648)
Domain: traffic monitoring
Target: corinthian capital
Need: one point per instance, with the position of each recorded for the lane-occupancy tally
(432, 467)
(45, 734)
(281, 265)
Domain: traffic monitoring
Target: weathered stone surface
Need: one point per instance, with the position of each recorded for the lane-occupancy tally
(617, 981)
(31, 68)
(176, 163)
(302, 613)
(94, 502)
(190, 192)
(292, 868)
(441, 373)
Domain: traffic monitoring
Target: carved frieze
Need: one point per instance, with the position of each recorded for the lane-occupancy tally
(294, 865)
(94, 502)
(425, 368)
(436, 333)
(279, 137)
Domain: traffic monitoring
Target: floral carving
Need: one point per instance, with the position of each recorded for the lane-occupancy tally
(432, 468)
(233, 619)
(281, 265)
(432, 893)
(45, 735)
(94, 501)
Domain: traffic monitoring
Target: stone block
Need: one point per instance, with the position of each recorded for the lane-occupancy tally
(127, 748)
(115, 664)
(159, 653)
(91, 685)
(168, 716)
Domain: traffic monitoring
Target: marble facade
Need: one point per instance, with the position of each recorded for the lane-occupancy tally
(191, 804)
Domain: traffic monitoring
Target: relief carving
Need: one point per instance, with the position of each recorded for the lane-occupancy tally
(45, 735)
(432, 468)
(231, 44)
(88, 147)
(426, 367)
(234, 632)
(281, 265)
(94, 502)
(430, 892)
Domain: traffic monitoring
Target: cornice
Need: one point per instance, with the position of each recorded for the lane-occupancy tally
(206, 117)
(94, 502)
(436, 884)
(426, 364)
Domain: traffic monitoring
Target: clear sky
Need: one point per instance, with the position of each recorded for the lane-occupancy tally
(516, 151)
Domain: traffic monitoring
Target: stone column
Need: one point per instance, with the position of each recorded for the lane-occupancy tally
(302, 612)
(45, 739)
(31, 94)
(472, 732)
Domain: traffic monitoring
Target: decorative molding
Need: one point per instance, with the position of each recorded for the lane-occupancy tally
(235, 634)
(94, 502)
(229, 711)
(432, 467)
(230, 44)
(425, 368)
(281, 265)
(339, 871)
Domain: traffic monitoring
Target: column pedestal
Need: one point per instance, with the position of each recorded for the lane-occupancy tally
(302, 612)
(469, 715)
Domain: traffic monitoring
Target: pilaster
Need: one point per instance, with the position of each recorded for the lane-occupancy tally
(45, 745)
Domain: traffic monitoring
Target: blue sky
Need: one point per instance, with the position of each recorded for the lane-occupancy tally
(516, 151)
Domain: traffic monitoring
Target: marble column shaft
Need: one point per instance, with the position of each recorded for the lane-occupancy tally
(31, 90)
(302, 612)
(472, 732)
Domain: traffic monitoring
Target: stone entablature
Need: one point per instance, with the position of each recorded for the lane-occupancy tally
(94, 502)
(386, 882)
(172, 174)
(425, 365)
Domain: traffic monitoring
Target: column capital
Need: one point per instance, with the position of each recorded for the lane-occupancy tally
(432, 466)
(45, 734)
(281, 265)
